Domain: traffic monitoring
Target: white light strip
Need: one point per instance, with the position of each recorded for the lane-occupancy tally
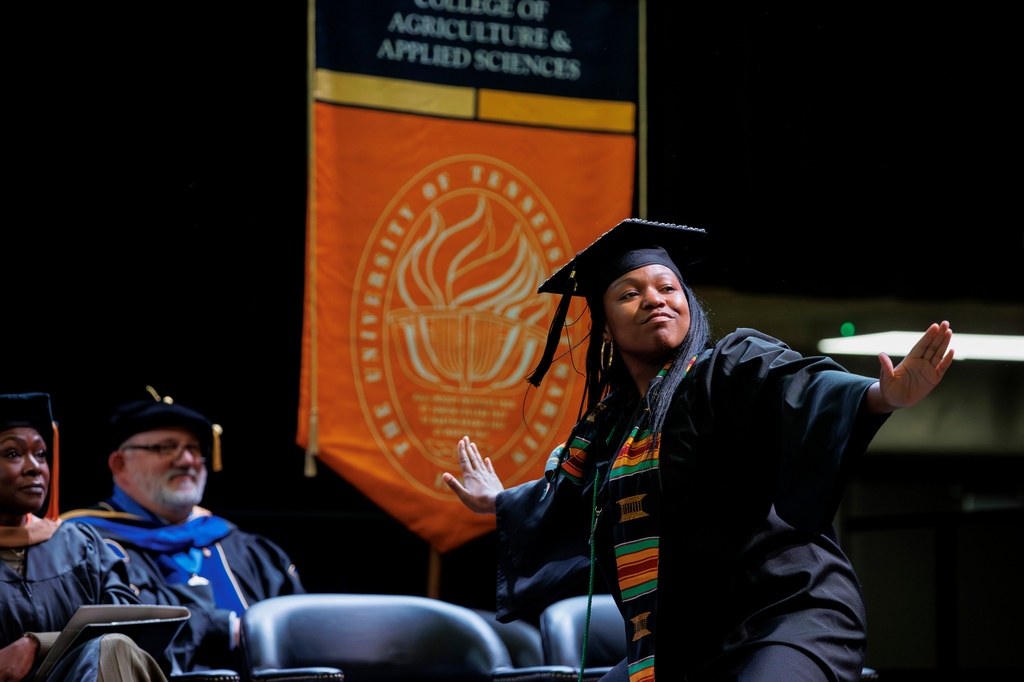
(898, 344)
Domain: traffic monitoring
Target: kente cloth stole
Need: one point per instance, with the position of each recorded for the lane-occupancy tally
(634, 495)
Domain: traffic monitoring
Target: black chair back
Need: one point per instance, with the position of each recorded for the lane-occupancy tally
(521, 638)
(372, 638)
(563, 623)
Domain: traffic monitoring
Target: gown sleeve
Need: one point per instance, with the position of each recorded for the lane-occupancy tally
(543, 547)
(804, 413)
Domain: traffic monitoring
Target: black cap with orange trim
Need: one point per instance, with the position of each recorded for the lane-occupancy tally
(33, 410)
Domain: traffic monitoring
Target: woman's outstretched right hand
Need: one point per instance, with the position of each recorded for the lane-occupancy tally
(480, 485)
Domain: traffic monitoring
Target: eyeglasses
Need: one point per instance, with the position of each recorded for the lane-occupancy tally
(171, 450)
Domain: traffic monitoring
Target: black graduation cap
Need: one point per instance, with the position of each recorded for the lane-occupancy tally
(137, 416)
(631, 244)
(28, 409)
(33, 410)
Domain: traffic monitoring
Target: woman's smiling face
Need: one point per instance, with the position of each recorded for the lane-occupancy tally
(647, 315)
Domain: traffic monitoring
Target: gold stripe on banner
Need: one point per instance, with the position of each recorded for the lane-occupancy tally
(395, 94)
(458, 102)
(559, 112)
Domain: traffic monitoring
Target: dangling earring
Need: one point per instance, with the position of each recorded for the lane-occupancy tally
(606, 358)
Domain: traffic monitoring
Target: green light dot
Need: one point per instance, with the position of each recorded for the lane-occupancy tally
(846, 329)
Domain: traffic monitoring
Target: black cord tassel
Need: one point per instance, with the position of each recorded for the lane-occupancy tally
(554, 333)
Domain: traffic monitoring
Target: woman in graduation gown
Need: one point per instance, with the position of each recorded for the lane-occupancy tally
(706, 474)
(49, 568)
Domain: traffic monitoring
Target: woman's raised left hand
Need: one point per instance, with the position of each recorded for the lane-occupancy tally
(916, 375)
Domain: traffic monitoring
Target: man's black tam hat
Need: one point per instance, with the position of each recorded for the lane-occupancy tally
(137, 416)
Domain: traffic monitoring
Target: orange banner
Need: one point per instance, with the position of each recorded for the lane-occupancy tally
(428, 238)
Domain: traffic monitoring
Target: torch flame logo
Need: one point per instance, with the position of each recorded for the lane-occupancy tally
(472, 320)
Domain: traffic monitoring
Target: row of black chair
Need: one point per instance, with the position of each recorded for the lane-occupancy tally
(402, 638)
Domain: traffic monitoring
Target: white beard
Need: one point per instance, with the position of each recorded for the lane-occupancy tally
(188, 493)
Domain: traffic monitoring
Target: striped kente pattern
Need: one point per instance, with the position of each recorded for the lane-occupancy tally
(637, 564)
(633, 485)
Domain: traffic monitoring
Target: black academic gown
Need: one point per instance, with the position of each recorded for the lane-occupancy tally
(72, 568)
(755, 453)
(260, 569)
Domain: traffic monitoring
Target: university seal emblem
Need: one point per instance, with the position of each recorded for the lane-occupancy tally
(447, 322)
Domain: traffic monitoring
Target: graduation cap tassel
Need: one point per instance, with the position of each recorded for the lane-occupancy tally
(554, 333)
(217, 463)
(53, 509)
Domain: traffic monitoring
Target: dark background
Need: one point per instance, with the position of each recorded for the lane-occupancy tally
(156, 201)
